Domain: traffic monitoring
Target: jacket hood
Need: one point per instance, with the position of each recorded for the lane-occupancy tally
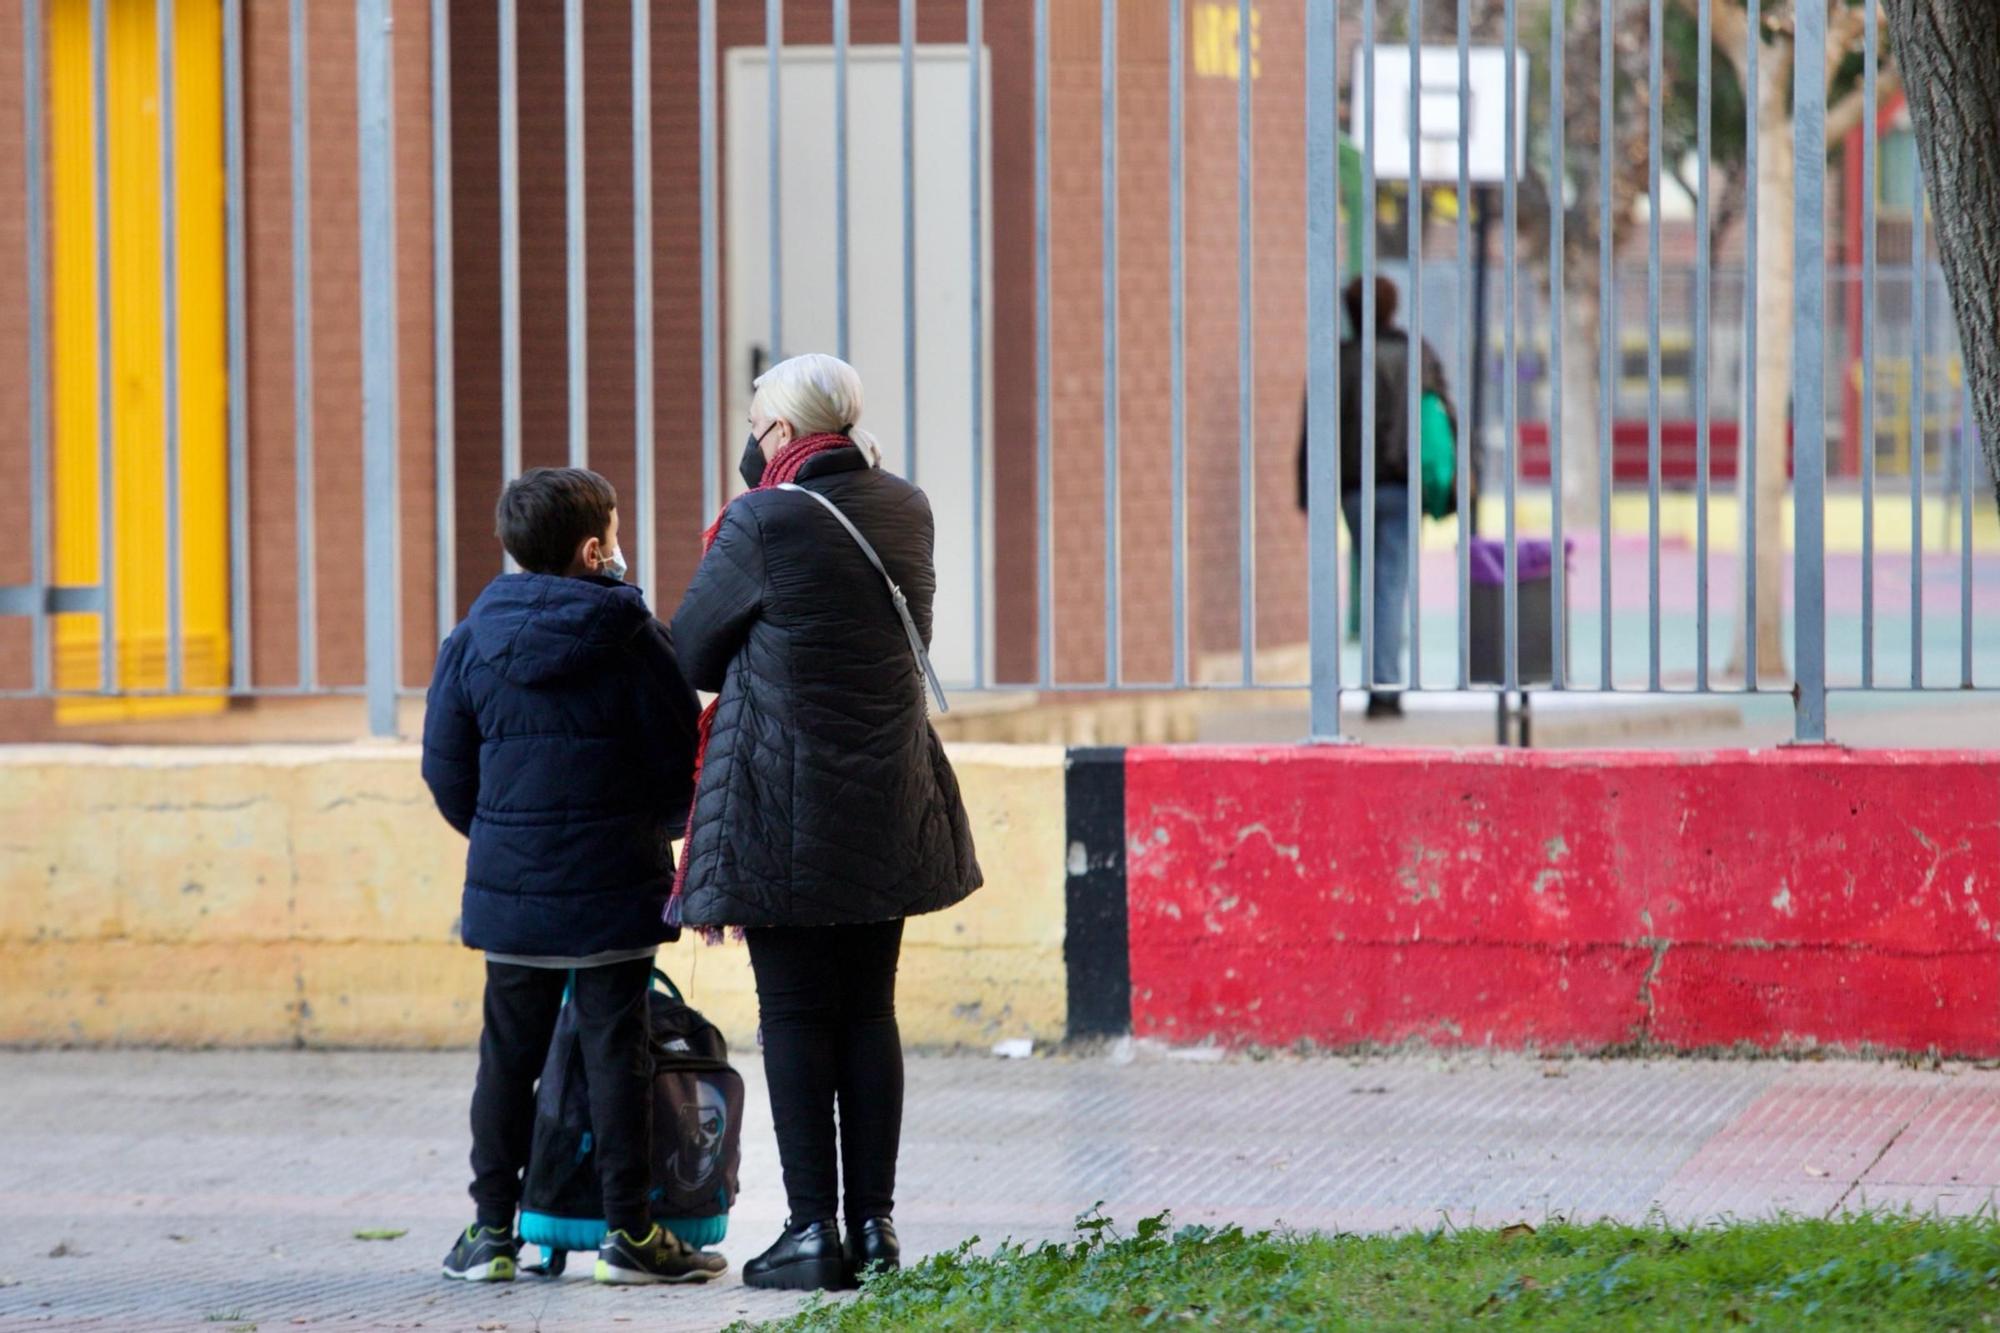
(534, 628)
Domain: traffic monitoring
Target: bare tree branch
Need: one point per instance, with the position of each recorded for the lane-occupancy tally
(1730, 23)
(1844, 29)
(1843, 116)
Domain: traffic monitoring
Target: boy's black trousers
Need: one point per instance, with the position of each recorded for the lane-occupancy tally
(521, 1008)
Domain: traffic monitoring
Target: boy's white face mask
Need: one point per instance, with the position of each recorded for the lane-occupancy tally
(612, 564)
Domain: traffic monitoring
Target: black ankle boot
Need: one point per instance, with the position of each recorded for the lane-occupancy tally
(872, 1247)
(807, 1257)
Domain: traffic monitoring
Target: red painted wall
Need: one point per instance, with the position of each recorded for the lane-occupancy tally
(1780, 899)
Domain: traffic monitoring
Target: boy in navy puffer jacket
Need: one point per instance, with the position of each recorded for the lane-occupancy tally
(559, 738)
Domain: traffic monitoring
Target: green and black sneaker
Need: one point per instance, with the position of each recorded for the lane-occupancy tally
(484, 1254)
(659, 1257)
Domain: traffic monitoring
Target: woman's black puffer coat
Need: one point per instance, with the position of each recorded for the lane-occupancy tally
(825, 797)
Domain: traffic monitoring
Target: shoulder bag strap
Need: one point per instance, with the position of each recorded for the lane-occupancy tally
(895, 593)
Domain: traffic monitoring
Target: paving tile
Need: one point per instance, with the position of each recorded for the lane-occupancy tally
(196, 1184)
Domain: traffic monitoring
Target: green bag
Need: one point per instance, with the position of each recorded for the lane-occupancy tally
(1439, 464)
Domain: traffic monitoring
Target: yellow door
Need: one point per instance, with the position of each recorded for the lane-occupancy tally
(138, 398)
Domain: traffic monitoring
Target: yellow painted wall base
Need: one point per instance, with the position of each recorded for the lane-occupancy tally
(309, 896)
(81, 711)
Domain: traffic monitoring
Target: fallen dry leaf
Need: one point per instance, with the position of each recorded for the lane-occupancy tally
(1516, 1231)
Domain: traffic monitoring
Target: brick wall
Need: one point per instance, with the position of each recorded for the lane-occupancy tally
(1077, 502)
(677, 267)
(16, 671)
(336, 342)
(1145, 346)
(273, 567)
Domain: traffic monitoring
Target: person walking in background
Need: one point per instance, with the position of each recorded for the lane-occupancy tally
(1434, 471)
(825, 810)
(558, 735)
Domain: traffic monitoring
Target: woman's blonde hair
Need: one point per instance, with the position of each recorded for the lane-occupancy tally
(819, 395)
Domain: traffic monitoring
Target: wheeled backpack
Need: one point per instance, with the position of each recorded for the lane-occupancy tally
(697, 1135)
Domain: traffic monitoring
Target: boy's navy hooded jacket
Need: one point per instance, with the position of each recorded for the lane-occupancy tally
(559, 736)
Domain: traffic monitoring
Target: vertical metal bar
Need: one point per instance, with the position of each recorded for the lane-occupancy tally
(444, 368)
(170, 335)
(1607, 328)
(1246, 354)
(1809, 386)
(711, 278)
(510, 243)
(1746, 443)
(1870, 132)
(1558, 169)
(907, 35)
(1365, 539)
(1108, 129)
(643, 477)
(774, 107)
(237, 298)
(1044, 417)
(1704, 112)
(1918, 291)
(975, 43)
(1322, 374)
(107, 498)
(576, 286)
(840, 297)
(1177, 260)
(306, 515)
(1656, 97)
(1467, 303)
(33, 147)
(375, 92)
(1968, 449)
(1414, 448)
(1510, 229)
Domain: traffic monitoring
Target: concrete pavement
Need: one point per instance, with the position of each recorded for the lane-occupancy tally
(155, 1190)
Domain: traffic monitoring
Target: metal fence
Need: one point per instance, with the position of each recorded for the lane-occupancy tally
(1937, 458)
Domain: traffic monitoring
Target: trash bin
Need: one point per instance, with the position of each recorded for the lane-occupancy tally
(1534, 569)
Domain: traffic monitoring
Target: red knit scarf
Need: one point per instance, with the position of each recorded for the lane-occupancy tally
(781, 471)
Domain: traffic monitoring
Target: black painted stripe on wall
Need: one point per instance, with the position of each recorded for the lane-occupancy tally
(1096, 943)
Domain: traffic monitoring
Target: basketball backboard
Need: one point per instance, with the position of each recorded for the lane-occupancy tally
(1438, 115)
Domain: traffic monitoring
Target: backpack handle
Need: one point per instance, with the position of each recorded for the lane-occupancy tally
(668, 982)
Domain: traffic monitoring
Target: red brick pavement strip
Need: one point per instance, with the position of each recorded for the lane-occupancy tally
(183, 1186)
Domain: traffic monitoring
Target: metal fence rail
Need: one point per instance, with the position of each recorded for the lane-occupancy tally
(1711, 391)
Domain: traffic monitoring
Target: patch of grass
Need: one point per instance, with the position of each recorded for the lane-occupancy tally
(1877, 1272)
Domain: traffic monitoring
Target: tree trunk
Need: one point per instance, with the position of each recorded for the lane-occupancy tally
(1766, 509)
(1949, 51)
(1581, 329)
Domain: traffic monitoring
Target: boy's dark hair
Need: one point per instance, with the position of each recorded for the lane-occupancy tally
(1386, 297)
(546, 512)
